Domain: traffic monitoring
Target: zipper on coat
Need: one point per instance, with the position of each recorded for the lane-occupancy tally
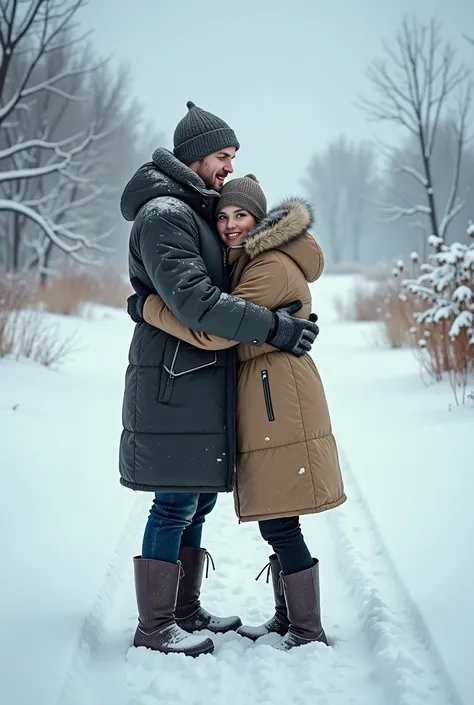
(267, 396)
(173, 374)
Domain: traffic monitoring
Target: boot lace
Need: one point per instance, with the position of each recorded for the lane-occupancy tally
(265, 568)
(209, 560)
(267, 579)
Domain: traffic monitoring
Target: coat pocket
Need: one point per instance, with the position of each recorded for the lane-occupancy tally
(267, 395)
(178, 360)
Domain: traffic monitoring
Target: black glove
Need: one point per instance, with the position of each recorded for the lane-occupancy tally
(135, 304)
(295, 335)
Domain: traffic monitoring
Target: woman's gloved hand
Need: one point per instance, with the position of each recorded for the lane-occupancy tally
(295, 335)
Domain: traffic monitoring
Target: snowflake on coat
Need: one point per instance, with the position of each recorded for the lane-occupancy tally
(165, 206)
(446, 284)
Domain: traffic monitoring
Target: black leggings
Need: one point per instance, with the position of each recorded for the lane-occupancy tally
(285, 538)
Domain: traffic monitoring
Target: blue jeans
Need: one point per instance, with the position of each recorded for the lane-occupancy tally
(175, 520)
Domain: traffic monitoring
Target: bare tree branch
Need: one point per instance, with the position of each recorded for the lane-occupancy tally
(414, 90)
(56, 180)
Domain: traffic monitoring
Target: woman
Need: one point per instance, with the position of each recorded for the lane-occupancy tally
(287, 461)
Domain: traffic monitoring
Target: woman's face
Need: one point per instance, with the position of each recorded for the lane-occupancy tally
(234, 224)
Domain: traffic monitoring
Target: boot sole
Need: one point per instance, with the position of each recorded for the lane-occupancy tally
(256, 638)
(232, 628)
(194, 654)
(205, 651)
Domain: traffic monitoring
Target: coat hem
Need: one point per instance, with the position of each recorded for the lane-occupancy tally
(294, 512)
(173, 488)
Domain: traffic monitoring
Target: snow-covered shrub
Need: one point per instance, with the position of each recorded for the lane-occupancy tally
(445, 290)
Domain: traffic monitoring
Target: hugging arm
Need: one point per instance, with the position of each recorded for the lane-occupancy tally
(257, 286)
(170, 254)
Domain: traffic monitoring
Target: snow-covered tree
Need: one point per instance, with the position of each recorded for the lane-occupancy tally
(446, 286)
(417, 87)
(68, 138)
(32, 36)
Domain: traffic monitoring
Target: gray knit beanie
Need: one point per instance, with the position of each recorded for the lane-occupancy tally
(201, 133)
(245, 193)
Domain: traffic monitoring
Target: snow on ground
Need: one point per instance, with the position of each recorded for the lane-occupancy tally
(408, 446)
(62, 506)
(395, 575)
(239, 671)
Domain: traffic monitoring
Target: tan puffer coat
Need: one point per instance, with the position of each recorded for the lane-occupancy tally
(287, 460)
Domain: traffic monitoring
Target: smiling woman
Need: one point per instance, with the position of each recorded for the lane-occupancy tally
(235, 222)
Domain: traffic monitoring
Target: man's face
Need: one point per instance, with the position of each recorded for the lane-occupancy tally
(215, 168)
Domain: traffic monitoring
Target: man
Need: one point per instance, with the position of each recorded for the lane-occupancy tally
(178, 414)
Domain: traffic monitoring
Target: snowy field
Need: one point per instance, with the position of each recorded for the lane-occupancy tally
(396, 570)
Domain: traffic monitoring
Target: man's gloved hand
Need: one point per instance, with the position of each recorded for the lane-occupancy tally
(295, 335)
(136, 301)
(135, 304)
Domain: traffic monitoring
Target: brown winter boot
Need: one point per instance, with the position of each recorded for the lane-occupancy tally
(278, 624)
(190, 616)
(156, 585)
(303, 604)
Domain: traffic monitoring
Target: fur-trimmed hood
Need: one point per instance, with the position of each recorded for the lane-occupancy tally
(285, 228)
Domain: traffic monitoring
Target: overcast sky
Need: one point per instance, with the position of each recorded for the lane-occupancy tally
(284, 73)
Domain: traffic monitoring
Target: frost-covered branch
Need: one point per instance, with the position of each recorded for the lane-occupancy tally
(449, 289)
(396, 212)
(31, 214)
(43, 22)
(411, 171)
(57, 181)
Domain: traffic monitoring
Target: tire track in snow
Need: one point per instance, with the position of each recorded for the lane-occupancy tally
(406, 657)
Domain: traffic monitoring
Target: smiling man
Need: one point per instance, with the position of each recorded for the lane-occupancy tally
(178, 412)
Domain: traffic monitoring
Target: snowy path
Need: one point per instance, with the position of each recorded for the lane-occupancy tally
(238, 671)
(380, 652)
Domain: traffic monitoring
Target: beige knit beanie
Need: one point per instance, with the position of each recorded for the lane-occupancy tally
(245, 193)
